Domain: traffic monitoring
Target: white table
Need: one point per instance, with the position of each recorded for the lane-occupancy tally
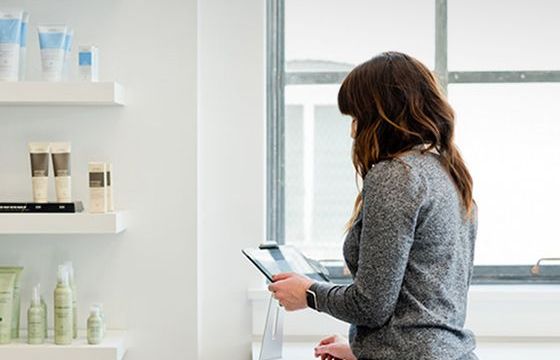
(485, 351)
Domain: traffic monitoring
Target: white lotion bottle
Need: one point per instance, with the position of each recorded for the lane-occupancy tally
(94, 326)
(63, 323)
(35, 320)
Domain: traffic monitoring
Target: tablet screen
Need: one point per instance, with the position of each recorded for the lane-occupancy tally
(282, 259)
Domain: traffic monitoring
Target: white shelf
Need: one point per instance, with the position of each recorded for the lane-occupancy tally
(113, 347)
(61, 93)
(70, 223)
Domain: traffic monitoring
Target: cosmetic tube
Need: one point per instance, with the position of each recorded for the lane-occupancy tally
(60, 153)
(97, 187)
(10, 35)
(7, 280)
(39, 153)
(88, 63)
(16, 303)
(35, 326)
(23, 45)
(52, 39)
(67, 53)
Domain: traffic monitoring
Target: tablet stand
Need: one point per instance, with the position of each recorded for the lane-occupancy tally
(271, 346)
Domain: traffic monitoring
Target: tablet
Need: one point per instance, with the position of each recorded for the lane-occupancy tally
(275, 259)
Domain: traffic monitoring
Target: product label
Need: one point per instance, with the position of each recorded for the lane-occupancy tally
(96, 179)
(94, 330)
(85, 58)
(63, 326)
(35, 327)
(52, 61)
(61, 164)
(9, 61)
(5, 316)
(40, 164)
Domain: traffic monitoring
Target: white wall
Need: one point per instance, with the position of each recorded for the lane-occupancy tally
(146, 277)
(231, 158)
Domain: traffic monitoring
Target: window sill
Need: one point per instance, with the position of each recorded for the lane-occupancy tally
(516, 311)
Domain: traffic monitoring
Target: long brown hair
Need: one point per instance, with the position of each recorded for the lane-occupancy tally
(399, 106)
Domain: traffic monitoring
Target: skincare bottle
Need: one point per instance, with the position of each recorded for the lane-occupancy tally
(94, 326)
(97, 187)
(62, 309)
(45, 312)
(88, 63)
(39, 153)
(72, 284)
(102, 315)
(110, 201)
(60, 153)
(35, 318)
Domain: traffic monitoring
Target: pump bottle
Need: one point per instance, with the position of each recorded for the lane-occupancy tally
(63, 323)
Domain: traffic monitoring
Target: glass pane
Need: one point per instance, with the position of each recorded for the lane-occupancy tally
(334, 34)
(509, 136)
(320, 182)
(503, 35)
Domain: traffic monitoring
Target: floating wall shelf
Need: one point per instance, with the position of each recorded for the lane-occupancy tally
(80, 223)
(26, 93)
(113, 347)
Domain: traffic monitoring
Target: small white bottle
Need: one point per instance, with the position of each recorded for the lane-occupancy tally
(35, 320)
(94, 326)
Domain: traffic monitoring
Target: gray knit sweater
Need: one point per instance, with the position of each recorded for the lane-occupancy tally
(410, 253)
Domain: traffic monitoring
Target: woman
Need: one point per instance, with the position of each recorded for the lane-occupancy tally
(410, 239)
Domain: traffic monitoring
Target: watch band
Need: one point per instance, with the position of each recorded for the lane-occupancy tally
(311, 299)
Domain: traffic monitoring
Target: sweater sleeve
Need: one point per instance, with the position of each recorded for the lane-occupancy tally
(392, 198)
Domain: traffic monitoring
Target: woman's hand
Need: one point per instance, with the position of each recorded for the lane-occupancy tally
(334, 348)
(290, 290)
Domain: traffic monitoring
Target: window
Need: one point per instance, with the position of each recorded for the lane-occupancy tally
(501, 82)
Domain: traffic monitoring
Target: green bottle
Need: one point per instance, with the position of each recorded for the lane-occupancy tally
(35, 325)
(70, 269)
(94, 326)
(63, 322)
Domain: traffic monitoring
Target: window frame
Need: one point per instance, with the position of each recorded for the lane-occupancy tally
(278, 78)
